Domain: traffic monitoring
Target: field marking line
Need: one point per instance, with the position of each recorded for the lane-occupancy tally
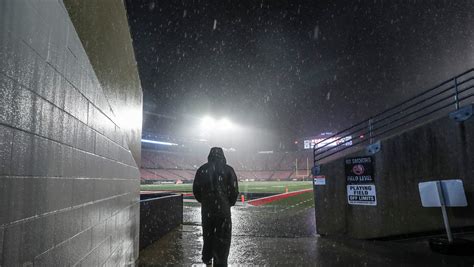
(269, 199)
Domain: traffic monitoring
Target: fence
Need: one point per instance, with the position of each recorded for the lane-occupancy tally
(439, 100)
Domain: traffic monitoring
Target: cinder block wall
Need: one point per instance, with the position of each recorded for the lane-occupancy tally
(69, 186)
(103, 29)
(440, 149)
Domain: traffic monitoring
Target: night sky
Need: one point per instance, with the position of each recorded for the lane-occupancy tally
(295, 67)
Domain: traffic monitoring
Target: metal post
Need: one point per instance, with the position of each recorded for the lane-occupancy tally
(296, 168)
(456, 95)
(443, 210)
(370, 130)
(307, 168)
(314, 155)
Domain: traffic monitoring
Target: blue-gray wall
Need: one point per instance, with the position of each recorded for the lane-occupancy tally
(69, 186)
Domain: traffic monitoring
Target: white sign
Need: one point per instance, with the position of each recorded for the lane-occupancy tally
(452, 191)
(361, 195)
(319, 180)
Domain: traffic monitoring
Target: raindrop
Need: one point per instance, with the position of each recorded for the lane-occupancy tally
(215, 25)
(151, 6)
(316, 32)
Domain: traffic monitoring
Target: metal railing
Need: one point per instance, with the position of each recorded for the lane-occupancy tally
(439, 100)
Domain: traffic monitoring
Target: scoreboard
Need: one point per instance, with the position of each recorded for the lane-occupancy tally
(327, 142)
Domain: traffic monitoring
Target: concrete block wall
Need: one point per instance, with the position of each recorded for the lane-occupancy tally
(69, 186)
(103, 28)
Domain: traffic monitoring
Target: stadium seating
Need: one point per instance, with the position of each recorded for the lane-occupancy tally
(282, 175)
(172, 166)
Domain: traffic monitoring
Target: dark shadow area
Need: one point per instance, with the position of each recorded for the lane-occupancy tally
(159, 214)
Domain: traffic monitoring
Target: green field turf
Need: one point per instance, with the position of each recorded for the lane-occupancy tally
(244, 187)
(273, 186)
(304, 200)
(167, 187)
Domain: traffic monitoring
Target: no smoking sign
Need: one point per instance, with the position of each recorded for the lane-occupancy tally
(359, 170)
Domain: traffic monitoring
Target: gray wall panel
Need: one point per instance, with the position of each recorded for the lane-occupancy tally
(11, 243)
(90, 215)
(2, 232)
(6, 91)
(3, 205)
(20, 195)
(6, 139)
(67, 179)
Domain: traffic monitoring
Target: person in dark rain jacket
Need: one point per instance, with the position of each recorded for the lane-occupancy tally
(215, 187)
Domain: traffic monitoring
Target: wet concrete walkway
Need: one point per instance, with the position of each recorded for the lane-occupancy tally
(273, 236)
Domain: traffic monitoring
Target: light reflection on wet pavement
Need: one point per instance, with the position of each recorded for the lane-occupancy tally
(264, 221)
(271, 237)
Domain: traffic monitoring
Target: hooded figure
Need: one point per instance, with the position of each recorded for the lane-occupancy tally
(215, 187)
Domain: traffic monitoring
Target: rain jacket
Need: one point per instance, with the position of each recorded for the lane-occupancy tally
(215, 185)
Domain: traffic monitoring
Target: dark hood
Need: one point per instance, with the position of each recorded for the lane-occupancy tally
(216, 155)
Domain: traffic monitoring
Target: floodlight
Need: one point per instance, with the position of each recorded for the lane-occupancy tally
(207, 122)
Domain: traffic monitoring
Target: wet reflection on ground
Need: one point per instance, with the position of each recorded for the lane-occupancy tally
(265, 221)
(270, 236)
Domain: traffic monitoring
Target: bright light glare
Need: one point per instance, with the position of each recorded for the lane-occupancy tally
(159, 142)
(208, 123)
(225, 124)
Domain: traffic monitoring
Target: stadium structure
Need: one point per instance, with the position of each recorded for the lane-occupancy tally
(175, 160)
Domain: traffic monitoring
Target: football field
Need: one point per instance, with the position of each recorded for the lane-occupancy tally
(295, 203)
(275, 187)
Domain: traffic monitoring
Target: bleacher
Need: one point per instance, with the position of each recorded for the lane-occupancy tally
(166, 166)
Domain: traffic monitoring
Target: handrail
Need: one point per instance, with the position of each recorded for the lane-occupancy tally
(456, 87)
(411, 113)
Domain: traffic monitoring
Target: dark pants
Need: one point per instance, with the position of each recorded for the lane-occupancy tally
(217, 235)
